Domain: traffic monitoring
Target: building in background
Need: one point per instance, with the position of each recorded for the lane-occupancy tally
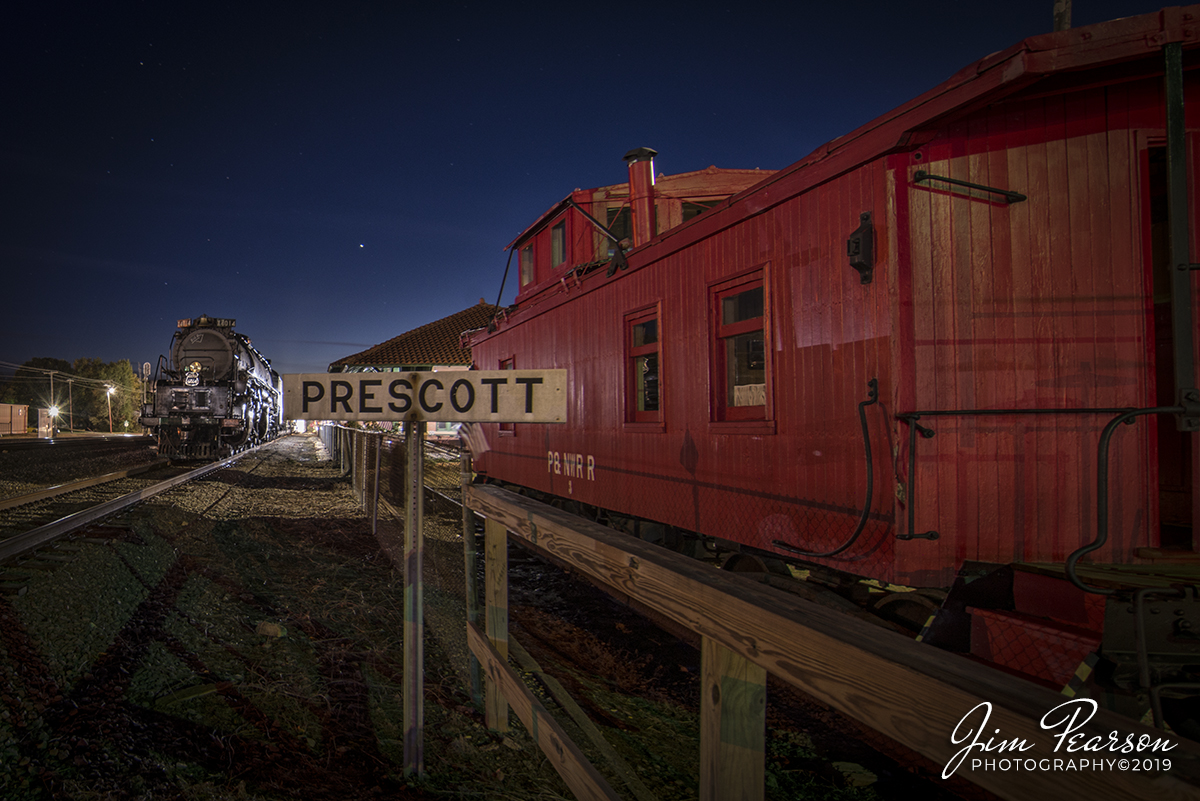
(435, 347)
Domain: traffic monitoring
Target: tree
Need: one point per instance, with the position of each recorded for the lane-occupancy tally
(91, 402)
(80, 392)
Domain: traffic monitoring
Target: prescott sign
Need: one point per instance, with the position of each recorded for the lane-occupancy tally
(477, 396)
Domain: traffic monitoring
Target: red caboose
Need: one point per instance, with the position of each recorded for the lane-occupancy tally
(979, 281)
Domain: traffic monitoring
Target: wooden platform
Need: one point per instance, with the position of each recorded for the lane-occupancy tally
(931, 701)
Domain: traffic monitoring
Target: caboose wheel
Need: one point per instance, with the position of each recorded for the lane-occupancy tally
(909, 609)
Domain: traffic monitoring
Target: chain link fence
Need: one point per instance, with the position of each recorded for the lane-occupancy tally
(377, 463)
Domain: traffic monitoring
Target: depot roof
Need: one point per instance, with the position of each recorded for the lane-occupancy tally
(433, 344)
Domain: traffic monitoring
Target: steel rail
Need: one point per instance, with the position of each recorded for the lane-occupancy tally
(21, 544)
(83, 483)
(21, 443)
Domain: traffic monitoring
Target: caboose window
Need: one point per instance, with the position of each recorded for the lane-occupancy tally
(620, 225)
(558, 244)
(508, 429)
(693, 209)
(740, 372)
(527, 265)
(644, 392)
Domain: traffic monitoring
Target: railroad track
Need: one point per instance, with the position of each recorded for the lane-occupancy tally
(35, 521)
(74, 443)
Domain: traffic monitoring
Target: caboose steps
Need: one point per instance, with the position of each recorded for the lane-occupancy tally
(1168, 555)
(1131, 645)
(1033, 646)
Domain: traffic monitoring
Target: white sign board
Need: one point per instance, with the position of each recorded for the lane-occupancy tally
(478, 396)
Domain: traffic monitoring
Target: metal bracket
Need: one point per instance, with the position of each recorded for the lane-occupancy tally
(860, 248)
(926, 433)
(1189, 420)
(1009, 196)
(924, 535)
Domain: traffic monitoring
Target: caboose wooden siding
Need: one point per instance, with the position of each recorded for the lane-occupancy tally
(976, 304)
(1040, 304)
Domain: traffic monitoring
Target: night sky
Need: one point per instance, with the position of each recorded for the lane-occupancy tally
(334, 174)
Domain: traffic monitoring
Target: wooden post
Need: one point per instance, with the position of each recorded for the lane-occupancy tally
(496, 610)
(472, 583)
(733, 719)
(414, 603)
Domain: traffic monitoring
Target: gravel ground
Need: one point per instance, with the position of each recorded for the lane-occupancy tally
(234, 639)
(23, 471)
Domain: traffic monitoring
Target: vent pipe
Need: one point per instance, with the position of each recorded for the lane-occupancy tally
(641, 193)
(1062, 15)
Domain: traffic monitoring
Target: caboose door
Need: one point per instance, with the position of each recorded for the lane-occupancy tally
(1177, 458)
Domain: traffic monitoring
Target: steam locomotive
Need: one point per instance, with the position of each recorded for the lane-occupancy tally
(909, 358)
(216, 395)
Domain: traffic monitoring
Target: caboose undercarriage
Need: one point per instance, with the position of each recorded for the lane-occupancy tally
(1135, 650)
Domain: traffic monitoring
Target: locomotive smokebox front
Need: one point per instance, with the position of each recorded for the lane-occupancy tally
(208, 347)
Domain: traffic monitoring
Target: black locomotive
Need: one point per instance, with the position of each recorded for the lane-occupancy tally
(216, 394)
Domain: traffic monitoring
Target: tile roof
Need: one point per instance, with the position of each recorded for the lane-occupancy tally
(435, 343)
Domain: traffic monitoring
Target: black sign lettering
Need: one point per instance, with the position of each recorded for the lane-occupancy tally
(307, 385)
(529, 383)
(494, 383)
(336, 397)
(421, 395)
(405, 400)
(364, 395)
(466, 407)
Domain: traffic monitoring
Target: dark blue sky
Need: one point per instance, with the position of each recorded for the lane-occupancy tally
(334, 174)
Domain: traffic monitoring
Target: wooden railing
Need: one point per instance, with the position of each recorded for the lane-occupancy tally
(922, 698)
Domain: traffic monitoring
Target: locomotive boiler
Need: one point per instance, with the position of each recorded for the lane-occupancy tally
(953, 350)
(215, 394)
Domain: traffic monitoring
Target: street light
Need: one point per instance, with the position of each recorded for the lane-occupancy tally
(109, 395)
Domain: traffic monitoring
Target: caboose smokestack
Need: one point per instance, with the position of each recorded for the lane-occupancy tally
(641, 193)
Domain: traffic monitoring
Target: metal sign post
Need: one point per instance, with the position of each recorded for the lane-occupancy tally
(414, 602)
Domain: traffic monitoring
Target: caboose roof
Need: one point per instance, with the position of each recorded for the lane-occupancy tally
(692, 185)
(437, 343)
(1115, 51)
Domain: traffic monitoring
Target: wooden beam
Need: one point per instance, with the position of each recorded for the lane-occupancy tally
(913, 693)
(580, 775)
(563, 698)
(733, 725)
(495, 590)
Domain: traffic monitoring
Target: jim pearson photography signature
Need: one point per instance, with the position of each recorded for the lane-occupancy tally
(1066, 720)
